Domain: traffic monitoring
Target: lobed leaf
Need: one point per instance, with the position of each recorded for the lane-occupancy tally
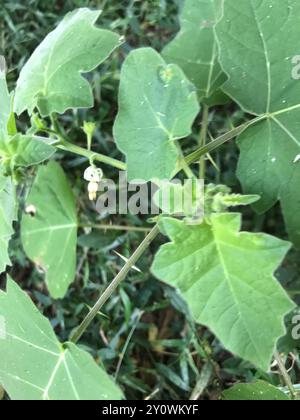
(195, 48)
(226, 277)
(258, 44)
(7, 217)
(5, 106)
(25, 151)
(35, 366)
(52, 78)
(157, 106)
(49, 235)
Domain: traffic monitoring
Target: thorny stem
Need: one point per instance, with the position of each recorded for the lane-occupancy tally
(65, 145)
(185, 167)
(195, 156)
(79, 331)
(202, 140)
(284, 374)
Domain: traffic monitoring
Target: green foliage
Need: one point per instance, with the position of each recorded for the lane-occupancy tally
(74, 47)
(157, 106)
(258, 59)
(5, 101)
(161, 341)
(36, 366)
(49, 232)
(210, 264)
(24, 151)
(7, 216)
(260, 391)
(195, 48)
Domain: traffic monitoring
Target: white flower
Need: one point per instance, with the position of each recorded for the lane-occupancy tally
(92, 189)
(93, 174)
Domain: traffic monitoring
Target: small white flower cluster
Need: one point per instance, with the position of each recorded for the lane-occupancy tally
(94, 176)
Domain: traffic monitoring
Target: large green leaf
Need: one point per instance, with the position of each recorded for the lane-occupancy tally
(157, 105)
(259, 391)
(5, 100)
(7, 217)
(49, 233)
(195, 48)
(226, 277)
(24, 151)
(35, 366)
(258, 42)
(51, 80)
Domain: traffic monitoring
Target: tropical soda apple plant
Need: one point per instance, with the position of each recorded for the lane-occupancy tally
(245, 51)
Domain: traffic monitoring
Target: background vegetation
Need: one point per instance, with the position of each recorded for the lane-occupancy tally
(145, 336)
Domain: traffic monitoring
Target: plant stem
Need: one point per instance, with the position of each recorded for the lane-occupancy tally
(65, 145)
(56, 126)
(202, 140)
(115, 227)
(284, 374)
(72, 148)
(195, 156)
(77, 334)
(185, 167)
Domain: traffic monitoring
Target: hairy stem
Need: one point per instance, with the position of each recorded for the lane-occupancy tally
(77, 334)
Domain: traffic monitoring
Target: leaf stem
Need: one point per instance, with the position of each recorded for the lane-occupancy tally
(202, 140)
(195, 156)
(66, 145)
(77, 334)
(284, 374)
(73, 148)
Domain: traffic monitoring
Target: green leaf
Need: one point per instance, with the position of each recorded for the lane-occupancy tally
(260, 391)
(49, 236)
(257, 53)
(236, 200)
(25, 151)
(52, 78)
(7, 217)
(226, 277)
(5, 109)
(35, 366)
(157, 105)
(181, 199)
(195, 48)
